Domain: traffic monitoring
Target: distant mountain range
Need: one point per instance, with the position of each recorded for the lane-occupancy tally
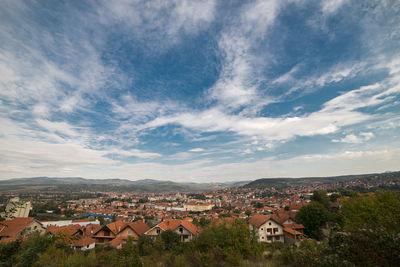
(150, 185)
(267, 182)
(113, 184)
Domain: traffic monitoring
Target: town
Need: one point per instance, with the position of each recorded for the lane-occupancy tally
(91, 219)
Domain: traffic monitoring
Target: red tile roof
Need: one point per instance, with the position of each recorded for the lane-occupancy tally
(172, 224)
(83, 242)
(14, 227)
(139, 227)
(291, 231)
(259, 219)
(68, 230)
(91, 229)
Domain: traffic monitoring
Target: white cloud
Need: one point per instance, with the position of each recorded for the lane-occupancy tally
(159, 20)
(237, 84)
(197, 149)
(331, 6)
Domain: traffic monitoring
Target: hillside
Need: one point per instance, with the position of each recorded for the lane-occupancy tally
(77, 184)
(285, 182)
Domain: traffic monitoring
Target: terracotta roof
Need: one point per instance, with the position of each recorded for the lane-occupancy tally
(117, 241)
(139, 227)
(116, 227)
(91, 229)
(12, 228)
(172, 224)
(83, 242)
(259, 219)
(294, 225)
(291, 231)
(169, 224)
(68, 230)
(191, 227)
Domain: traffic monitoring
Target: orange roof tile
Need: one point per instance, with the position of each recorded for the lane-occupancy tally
(259, 219)
(139, 227)
(83, 242)
(12, 228)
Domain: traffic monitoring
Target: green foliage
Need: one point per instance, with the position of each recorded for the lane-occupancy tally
(334, 197)
(145, 244)
(8, 253)
(171, 240)
(101, 220)
(380, 210)
(129, 255)
(228, 244)
(321, 197)
(197, 196)
(313, 217)
(204, 222)
(69, 213)
(369, 236)
(30, 250)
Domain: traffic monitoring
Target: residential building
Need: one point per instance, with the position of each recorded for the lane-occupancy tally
(18, 228)
(120, 231)
(185, 229)
(267, 228)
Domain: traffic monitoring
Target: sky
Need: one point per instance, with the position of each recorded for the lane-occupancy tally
(199, 91)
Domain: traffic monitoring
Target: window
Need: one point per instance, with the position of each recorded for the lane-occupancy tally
(269, 238)
(275, 230)
(269, 223)
(158, 231)
(262, 229)
(180, 229)
(269, 230)
(277, 237)
(129, 232)
(262, 237)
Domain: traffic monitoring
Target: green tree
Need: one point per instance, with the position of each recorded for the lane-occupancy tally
(170, 239)
(371, 232)
(101, 220)
(313, 217)
(248, 213)
(321, 197)
(145, 244)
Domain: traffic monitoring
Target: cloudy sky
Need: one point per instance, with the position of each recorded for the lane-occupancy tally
(199, 90)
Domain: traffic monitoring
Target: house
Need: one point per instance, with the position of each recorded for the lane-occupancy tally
(293, 233)
(279, 227)
(85, 243)
(185, 229)
(70, 231)
(90, 229)
(120, 231)
(267, 228)
(18, 227)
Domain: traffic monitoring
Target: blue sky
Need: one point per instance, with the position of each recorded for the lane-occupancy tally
(199, 91)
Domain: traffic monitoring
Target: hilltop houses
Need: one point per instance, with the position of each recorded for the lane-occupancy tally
(274, 228)
(117, 233)
(185, 229)
(17, 228)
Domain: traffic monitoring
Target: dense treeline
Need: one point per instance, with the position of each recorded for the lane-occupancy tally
(365, 231)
